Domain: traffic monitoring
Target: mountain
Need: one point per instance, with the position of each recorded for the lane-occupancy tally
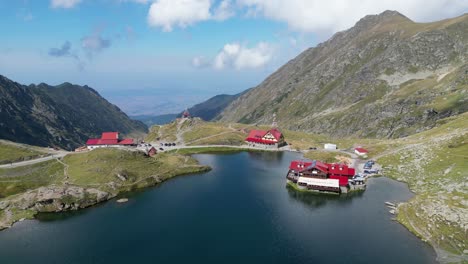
(211, 108)
(207, 110)
(64, 115)
(385, 77)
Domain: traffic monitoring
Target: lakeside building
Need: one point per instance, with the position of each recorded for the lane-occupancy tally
(361, 151)
(271, 138)
(323, 177)
(109, 139)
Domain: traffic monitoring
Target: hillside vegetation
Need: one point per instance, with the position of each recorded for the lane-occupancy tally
(386, 77)
(14, 152)
(64, 116)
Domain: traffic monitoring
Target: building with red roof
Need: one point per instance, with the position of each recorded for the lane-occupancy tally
(320, 176)
(186, 114)
(361, 151)
(109, 139)
(272, 137)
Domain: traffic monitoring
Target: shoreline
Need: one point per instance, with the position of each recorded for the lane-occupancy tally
(58, 198)
(226, 149)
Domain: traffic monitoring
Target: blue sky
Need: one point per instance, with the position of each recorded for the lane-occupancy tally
(152, 57)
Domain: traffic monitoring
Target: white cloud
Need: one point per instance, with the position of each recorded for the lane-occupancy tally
(224, 10)
(168, 14)
(182, 13)
(64, 3)
(239, 56)
(334, 15)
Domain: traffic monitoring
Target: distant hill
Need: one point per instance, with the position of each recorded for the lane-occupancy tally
(211, 108)
(207, 110)
(64, 115)
(150, 120)
(385, 77)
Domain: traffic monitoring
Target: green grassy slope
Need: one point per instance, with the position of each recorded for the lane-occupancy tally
(13, 152)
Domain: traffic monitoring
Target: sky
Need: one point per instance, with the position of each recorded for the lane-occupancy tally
(161, 56)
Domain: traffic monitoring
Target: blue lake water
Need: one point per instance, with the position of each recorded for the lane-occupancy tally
(240, 212)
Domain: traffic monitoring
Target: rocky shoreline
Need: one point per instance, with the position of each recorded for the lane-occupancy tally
(60, 198)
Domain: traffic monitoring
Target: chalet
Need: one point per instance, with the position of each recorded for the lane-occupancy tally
(319, 176)
(109, 139)
(272, 137)
(361, 151)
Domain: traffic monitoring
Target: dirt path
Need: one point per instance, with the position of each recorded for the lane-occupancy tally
(179, 137)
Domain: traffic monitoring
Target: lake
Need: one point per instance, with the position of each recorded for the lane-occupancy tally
(240, 212)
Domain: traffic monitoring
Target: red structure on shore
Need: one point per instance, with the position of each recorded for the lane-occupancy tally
(109, 139)
(272, 137)
(320, 176)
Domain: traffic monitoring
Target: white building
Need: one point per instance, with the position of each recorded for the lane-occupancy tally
(329, 146)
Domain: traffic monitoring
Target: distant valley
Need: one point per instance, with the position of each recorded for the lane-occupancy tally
(207, 110)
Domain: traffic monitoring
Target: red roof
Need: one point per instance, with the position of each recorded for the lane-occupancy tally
(110, 135)
(337, 170)
(276, 133)
(126, 141)
(93, 141)
(109, 138)
(256, 136)
(341, 169)
(299, 165)
(361, 150)
(256, 133)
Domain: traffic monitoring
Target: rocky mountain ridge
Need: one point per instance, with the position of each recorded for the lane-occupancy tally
(63, 116)
(385, 77)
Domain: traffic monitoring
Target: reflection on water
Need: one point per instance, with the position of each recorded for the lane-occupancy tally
(315, 199)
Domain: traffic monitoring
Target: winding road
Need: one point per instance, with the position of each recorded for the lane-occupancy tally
(57, 155)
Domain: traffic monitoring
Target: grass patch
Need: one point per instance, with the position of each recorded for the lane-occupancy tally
(101, 166)
(21, 179)
(327, 156)
(13, 153)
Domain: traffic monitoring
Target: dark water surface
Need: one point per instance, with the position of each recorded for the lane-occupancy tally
(240, 212)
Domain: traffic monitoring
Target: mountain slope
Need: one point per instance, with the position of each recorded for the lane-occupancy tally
(64, 115)
(209, 109)
(385, 77)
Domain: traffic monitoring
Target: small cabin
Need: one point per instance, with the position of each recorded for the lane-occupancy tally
(361, 151)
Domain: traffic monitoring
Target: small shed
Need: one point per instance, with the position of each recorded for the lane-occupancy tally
(329, 146)
(361, 151)
(151, 152)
